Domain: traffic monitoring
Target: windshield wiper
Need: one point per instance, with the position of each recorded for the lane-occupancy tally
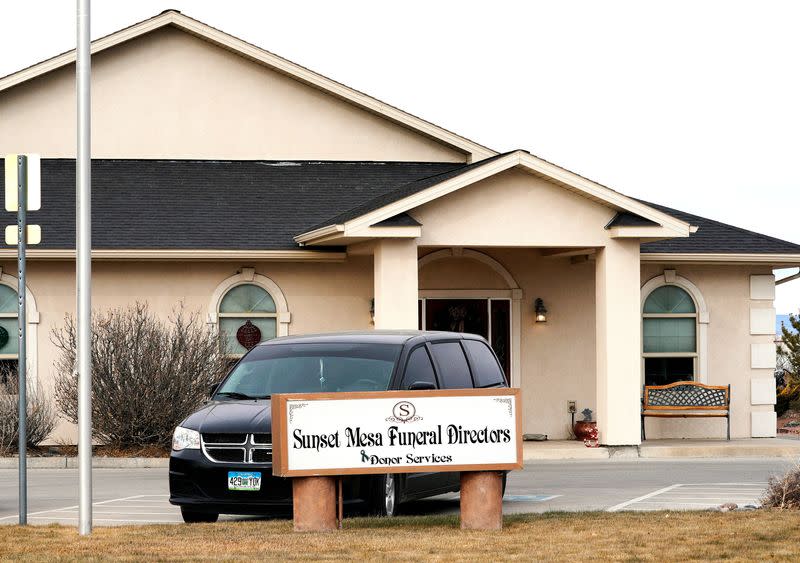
(237, 395)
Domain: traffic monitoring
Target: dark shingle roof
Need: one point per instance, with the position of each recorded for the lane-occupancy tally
(263, 205)
(189, 204)
(403, 191)
(713, 237)
(627, 219)
(401, 220)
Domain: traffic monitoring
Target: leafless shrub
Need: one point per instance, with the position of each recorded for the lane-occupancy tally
(147, 374)
(41, 416)
(783, 492)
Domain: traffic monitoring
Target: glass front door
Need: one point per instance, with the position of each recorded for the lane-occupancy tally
(491, 318)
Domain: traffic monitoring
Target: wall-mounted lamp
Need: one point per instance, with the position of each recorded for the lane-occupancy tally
(372, 310)
(540, 310)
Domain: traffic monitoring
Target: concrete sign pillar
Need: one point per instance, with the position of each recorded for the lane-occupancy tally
(618, 341)
(314, 504)
(396, 284)
(481, 500)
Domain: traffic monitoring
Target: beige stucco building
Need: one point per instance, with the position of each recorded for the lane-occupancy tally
(220, 167)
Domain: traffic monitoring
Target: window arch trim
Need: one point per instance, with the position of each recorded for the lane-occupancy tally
(669, 277)
(249, 276)
(32, 317)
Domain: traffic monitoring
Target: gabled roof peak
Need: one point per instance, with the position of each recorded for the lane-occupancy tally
(171, 17)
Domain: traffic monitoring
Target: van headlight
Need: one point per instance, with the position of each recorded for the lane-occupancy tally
(185, 439)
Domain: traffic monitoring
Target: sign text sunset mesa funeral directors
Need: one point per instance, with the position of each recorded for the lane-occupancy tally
(394, 436)
(399, 431)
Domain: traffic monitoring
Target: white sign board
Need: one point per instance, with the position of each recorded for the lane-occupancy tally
(396, 432)
(34, 182)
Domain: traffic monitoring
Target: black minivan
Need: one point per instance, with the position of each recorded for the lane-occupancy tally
(221, 459)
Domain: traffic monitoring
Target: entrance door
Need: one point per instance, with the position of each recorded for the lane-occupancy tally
(491, 318)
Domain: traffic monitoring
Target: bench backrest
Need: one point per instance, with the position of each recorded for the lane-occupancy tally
(686, 395)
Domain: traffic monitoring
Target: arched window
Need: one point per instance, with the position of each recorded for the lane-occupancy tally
(9, 341)
(669, 336)
(247, 316)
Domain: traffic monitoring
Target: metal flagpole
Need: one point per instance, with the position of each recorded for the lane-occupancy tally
(83, 241)
(22, 208)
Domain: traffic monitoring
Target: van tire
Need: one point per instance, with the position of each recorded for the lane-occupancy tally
(386, 496)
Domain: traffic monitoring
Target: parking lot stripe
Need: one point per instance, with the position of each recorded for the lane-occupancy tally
(133, 513)
(34, 514)
(620, 506)
(686, 497)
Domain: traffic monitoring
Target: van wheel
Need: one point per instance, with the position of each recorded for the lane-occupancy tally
(193, 516)
(385, 500)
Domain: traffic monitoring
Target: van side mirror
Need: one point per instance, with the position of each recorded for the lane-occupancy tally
(421, 386)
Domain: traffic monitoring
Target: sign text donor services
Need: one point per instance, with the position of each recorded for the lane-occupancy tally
(396, 432)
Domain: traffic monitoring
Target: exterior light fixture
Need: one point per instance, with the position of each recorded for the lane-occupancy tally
(541, 310)
(372, 310)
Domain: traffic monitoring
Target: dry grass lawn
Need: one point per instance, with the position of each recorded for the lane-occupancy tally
(660, 536)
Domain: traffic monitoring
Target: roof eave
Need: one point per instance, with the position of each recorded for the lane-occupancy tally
(668, 226)
(783, 260)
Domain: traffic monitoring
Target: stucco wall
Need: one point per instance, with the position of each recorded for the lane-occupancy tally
(557, 358)
(321, 297)
(172, 95)
(726, 290)
(514, 209)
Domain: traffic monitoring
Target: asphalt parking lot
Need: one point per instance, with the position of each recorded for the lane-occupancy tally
(140, 496)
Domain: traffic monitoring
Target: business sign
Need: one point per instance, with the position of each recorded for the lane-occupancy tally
(396, 432)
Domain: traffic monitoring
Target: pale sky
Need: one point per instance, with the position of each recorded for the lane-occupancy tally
(690, 104)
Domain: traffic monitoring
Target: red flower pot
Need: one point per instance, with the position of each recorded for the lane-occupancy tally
(585, 430)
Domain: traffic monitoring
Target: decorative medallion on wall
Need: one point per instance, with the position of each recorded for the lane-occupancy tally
(248, 335)
(3, 337)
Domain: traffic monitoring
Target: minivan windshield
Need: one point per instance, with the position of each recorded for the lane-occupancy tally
(311, 368)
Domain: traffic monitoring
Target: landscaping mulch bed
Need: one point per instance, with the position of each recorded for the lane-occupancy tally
(789, 423)
(655, 536)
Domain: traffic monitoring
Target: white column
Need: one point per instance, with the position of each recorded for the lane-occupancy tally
(618, 342)
(396, 284)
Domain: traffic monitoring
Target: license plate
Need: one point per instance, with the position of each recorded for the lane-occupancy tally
(244, 480)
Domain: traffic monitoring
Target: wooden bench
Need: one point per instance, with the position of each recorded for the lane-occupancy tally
(686, 399)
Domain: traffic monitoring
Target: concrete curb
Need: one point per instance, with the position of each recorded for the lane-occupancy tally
(62, 462)
(667, 449)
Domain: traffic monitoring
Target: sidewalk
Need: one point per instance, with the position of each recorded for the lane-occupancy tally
(62, 462)
(531, 451)
(665, 449)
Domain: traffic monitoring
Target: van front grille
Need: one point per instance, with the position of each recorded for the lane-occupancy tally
(262, 456)
(234, 455)
(237, 448)
(238, 439)
(262, 439)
